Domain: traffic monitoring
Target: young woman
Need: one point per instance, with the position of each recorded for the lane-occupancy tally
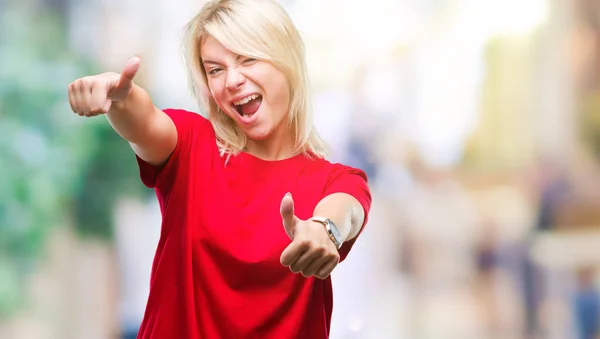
(254, 219)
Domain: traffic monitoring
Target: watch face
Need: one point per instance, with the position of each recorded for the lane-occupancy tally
(334, 230)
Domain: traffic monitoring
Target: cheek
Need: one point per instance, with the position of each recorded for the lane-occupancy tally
(280, 94)
(284, 90)
(275, 84)
(217, 94)
(283, 97)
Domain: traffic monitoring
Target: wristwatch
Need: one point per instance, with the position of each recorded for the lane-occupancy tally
(332, 230)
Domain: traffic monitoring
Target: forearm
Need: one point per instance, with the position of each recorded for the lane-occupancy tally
(345, 212)
(132, 118)
(150, 132)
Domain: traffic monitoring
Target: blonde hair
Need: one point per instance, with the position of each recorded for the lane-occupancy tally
(260, 29)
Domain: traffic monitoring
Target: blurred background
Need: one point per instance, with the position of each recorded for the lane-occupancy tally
(478, 122)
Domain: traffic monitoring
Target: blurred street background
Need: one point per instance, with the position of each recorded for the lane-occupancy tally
(478, 122)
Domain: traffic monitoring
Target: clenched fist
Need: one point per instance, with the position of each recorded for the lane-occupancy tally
(93, 95)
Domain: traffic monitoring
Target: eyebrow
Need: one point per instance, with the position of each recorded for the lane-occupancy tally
(218, 63)
(210, 62)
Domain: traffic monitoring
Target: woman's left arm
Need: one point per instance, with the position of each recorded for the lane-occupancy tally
(345, 212)
(312, 252)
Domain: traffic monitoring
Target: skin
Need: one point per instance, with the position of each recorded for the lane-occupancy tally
(230, 77)
(153, 137)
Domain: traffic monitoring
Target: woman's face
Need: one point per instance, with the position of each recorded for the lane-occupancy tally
(253, 93)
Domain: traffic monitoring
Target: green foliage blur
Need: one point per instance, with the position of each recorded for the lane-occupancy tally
(56, 168)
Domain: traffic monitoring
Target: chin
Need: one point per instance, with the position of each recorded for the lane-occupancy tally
(258, 133)
(258, 136)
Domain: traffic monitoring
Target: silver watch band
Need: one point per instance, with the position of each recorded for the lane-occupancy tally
(331, 229)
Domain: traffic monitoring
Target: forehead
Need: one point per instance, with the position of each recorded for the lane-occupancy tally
(212, 49)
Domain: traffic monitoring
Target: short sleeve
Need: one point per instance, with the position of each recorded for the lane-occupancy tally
(189, 127)
(354, 182)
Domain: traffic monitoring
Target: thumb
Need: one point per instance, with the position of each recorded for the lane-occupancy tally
(287, 214)
(129, 71)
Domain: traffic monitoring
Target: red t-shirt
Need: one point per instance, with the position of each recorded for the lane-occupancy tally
(216, 273)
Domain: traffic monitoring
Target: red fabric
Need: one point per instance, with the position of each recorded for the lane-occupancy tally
(216, 273)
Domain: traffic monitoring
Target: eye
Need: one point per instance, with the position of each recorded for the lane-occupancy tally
(214, 71)
(249, 61)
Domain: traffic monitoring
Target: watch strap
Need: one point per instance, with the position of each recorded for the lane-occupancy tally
(331, 230)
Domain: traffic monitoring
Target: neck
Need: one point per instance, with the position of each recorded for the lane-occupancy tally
(273, 148)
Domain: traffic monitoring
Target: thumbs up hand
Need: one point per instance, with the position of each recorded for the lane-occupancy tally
(311, 252)
(94, 95)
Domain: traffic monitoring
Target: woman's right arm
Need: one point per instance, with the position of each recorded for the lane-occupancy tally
(129, 109)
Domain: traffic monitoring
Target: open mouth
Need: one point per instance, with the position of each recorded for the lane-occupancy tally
(248, 105)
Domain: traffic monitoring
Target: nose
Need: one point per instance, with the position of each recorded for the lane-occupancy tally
(235, 78)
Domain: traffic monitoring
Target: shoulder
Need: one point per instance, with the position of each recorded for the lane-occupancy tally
(335, 177)
(186, 117)
(191, 126)
(340, 178)
(335, 171)
(195, 138)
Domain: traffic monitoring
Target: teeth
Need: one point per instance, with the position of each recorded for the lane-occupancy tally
(245, 100)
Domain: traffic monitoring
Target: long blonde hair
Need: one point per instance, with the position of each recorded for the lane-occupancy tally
(259, 29)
